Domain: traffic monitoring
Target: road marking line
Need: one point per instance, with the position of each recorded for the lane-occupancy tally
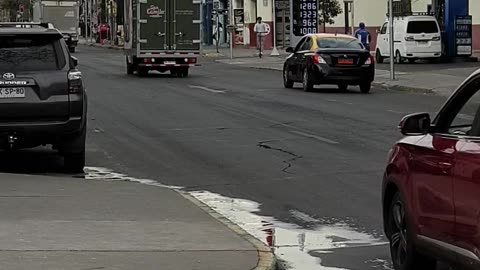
(392, 111)
(206, 89)
(312, 136)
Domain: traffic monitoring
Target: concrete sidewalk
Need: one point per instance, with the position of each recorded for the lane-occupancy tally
(438, 79)
(73, 223)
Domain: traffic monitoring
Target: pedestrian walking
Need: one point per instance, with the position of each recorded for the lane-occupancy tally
(260, 30)
(364, 36)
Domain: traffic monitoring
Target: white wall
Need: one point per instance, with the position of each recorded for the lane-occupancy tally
(475, 11)
(373, 12)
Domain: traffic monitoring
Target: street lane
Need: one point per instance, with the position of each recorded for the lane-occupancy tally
(308, 159)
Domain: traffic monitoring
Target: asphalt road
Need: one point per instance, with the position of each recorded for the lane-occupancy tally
(312, 161)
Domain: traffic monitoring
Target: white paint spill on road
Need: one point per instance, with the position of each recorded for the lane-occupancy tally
(291, 243)
(313, 136)
(207, 89)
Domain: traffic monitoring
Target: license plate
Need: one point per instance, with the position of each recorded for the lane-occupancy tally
(13, 92)
(342, 61)
(169, 62)
(423, 42)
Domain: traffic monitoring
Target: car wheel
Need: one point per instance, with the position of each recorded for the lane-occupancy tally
(130, 67)
(402, 249)
(398, 58)
(365, 87)
(307, 82)
(287, 83)
(74, 153)
(378, 57)
(343, 87)
(185, 72)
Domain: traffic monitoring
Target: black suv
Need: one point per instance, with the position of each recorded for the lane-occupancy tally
(42, 97)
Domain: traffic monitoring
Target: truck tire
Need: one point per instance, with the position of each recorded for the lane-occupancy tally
(130, 67)
(142, 71)
(71, 49)
(183, 73)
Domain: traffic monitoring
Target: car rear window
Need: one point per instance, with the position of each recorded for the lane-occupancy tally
(419, 27)
(30, 53)
(339, 43)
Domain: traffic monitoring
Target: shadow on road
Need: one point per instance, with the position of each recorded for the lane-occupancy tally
(34, 161)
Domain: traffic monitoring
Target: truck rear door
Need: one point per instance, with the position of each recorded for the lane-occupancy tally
(153, 24)
(185, 25)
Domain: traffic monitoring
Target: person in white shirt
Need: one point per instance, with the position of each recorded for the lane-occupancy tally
(260, 29)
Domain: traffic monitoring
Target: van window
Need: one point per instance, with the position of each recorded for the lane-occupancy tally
(384, 29)
(419, 27)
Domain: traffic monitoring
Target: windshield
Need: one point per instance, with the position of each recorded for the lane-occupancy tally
(29, 53)
(339, 43)
(419, 27)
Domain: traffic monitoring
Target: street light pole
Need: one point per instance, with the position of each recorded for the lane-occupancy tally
(392, 41)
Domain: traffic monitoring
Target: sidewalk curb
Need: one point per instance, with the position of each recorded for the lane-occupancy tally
(102, 46)
(401, 88)
(266, 259)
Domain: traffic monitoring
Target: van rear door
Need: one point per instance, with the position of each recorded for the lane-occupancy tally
(153, 35)
(423, 32)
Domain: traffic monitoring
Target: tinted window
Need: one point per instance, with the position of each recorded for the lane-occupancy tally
(427, 27)
(30, 53)
(340, 43)
(300, 44)
(307, 45)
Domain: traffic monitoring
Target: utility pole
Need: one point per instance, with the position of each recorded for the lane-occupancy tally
(392, 41)
(274, 30)
(232, 26)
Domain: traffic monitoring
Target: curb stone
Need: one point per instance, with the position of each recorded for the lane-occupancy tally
(386, 86)
(266, 259)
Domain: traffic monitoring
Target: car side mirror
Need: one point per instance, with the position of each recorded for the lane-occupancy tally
(75, 61)
(289, 50)
(415, 124)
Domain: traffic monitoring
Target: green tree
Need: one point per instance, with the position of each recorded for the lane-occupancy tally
(328, 10)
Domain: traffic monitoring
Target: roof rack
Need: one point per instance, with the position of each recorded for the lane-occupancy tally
(25, 24)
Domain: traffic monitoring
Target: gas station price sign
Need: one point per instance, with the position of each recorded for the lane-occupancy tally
(463, 35)
(305, 17)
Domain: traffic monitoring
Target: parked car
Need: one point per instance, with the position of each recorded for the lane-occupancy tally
(329, 59)
(416, 37)
(42, 97)
(431, 187)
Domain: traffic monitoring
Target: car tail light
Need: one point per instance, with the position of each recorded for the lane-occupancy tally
(190, 60)
(75, 84)
(436, 38)
(409, 38)
(149, 60)
(369, 61)
(317, 59)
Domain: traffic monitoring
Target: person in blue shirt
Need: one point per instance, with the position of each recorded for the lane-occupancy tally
(364, 36)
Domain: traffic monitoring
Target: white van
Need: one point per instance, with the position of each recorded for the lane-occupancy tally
(416, 37)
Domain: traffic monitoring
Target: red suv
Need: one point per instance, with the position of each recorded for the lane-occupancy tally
(431, 188)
